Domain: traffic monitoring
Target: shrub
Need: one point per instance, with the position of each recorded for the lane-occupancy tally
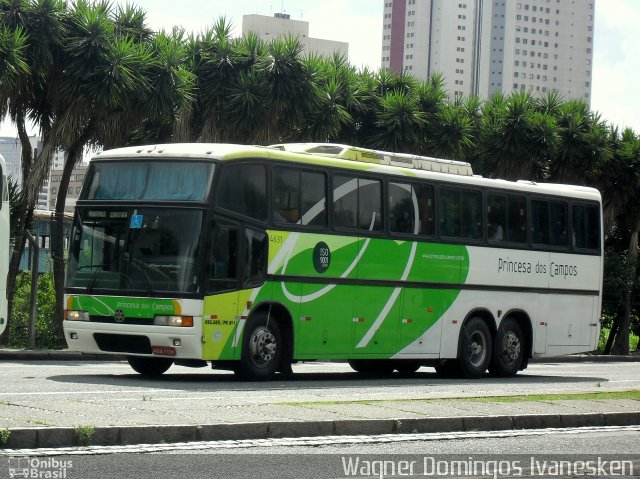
(45, 312)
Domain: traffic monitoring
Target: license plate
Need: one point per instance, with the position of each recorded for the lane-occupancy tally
(164, 350)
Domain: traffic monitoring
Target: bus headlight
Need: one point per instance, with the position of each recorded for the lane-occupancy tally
(76, 316)
(179, 321)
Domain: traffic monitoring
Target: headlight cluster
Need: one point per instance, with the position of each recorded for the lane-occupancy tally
(76, 315)
(179, 321)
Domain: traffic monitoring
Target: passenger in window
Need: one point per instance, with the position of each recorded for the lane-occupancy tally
(288, 215)
(496, 232)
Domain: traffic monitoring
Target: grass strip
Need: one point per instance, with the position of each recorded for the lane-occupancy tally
(633, 394)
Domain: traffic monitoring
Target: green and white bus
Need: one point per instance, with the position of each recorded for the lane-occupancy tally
(253, 258)
(4, 243)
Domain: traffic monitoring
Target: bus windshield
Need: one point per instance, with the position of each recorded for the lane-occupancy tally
(150, 180)
(145, 250)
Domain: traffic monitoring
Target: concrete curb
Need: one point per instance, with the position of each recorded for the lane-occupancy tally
(51, 437)
(54, 355)
(63, 355)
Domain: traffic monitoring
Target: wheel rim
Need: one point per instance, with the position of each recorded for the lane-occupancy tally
(262, 346)
(511, 346)
(477, 349)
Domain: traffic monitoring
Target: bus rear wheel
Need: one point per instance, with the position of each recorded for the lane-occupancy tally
(149, 366)
(261, 348)
(474, 352)
(508, 350)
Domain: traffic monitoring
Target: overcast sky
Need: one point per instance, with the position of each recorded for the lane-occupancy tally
(616, 65)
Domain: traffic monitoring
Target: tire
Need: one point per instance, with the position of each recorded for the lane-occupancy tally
(474, 349)
(262, 347)
(508, 350)
(372, 367)
(149, 366)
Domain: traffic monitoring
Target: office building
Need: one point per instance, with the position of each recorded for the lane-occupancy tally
(281, 25)
(74, 188)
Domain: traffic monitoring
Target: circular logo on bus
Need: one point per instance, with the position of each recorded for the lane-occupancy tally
(321, 257)
(119, 316)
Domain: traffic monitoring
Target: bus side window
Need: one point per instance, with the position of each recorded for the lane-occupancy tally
(540, 222)
(357, 203)
(286, 196)
(425, 199)
(243, 189)
(402, 215)
(313, 187)
(411, 209)
(255, 257)
(517, 219)
(585, 227)
(461, 213)
(223, 266)
(559, 223)
(345, 201)
(299, 197)
(369, 205)
(449, 212)
(496, 216)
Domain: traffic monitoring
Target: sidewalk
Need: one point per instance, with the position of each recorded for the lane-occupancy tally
(242, 411)
(141, 426)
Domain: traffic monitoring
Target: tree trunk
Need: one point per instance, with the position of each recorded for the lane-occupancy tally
(621, 345)
(612, 335)
(25, 143)
(57, 238)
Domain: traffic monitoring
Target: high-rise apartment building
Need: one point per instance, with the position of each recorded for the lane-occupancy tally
(483, 46)
(11, 150)
(281, 25)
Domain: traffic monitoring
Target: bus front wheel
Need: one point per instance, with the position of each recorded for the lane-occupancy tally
(261, 348)
(507, 350)
(149, 366)
(475, 348)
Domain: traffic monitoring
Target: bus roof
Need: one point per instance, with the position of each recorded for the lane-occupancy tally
(344, 156)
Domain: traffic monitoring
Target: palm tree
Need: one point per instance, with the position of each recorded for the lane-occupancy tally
(399, 122)
(582, 147)
(362, 104)
(30, 34)
(453, 134)
(108, 85)
(431, 100)
(514, 137)
(334, 83)
(628, 193)
(247, 97)
(291, 90)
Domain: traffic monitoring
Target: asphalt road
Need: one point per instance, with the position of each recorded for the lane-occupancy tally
(312, 381)
(511, 454)
(72, 393)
